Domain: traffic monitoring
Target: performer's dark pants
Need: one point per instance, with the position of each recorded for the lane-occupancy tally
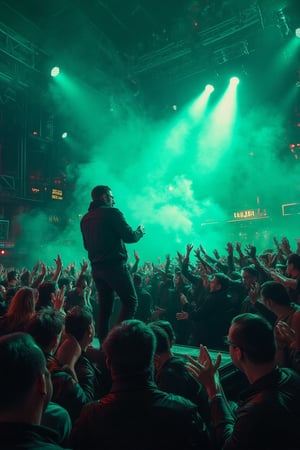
(111, 279)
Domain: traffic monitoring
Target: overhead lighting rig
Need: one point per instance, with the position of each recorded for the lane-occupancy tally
(18, 57)
(184, 49)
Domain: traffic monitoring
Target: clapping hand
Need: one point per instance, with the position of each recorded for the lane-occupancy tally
(68, 353)
(284, 333)
(206, 371)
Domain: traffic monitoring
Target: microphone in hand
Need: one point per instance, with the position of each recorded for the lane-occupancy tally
(141, 229)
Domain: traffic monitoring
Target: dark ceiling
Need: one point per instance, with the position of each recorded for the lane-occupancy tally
(151, 43)
(160, 52)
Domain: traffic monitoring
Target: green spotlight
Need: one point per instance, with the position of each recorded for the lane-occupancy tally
(198, 107)
(215, 137)
(209, 88)
(55, 71)
(297, 32)
(64, 135)
(234, 81)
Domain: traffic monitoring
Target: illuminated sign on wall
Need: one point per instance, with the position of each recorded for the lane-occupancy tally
(57, 194)
(244, 214)
(249, 214)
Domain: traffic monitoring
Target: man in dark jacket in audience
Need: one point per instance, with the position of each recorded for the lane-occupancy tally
(136, 414)
(25, 391)
(268, 415)
(172, 375)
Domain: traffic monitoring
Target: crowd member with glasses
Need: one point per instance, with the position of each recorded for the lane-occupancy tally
(268, 413)
(105, 232)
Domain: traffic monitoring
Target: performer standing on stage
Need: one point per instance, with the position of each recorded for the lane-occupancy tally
(105, 232)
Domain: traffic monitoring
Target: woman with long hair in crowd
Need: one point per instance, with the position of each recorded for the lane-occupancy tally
(20, 311)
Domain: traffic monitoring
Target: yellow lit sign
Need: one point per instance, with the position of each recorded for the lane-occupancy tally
(244, 214)
(57, 194)
(249, 214)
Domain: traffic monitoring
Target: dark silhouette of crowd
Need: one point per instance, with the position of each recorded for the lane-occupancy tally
(64, 387)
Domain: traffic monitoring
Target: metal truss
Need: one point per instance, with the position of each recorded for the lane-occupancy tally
(246, 19)
(230, 52)
(164, 55)
(7, 183)
(16, 47)
(17, 57)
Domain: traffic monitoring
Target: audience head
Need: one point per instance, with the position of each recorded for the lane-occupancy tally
(293, 265)
(137, 279)
(25, 278)
(22, 305)
(162, 348)
(12, 278)
(274, 292)
(65, 281)
(129, 349)
(162, 338)
(218, 282)
(25, 384)
(82, 281)
(252, 335)
(79, 323)
(167, 326)
(178, 279)
(249, 276)
(46, 289)
(168, 277)
(10, 293)
(235, 275)
(46, 328)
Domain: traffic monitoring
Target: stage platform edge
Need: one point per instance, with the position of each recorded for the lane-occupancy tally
(232, 379)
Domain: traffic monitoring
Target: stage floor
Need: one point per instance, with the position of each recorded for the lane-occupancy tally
(194, 352)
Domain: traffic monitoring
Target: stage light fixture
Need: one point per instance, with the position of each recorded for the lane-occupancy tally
(209, 88)
(234, 81)
(297, 32)
(64, 135)
(55, 71)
